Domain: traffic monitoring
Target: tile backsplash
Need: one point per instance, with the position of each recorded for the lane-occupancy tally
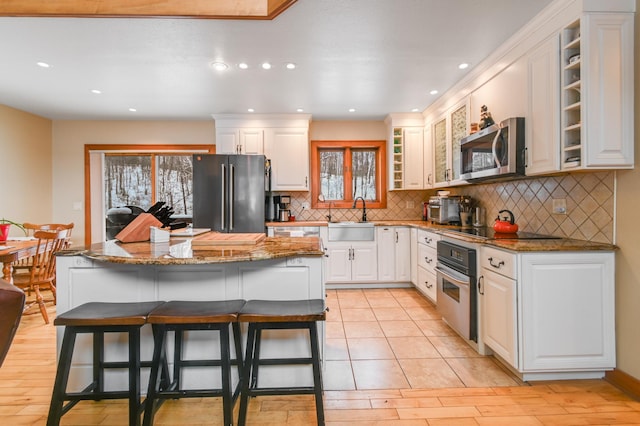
(589, 199)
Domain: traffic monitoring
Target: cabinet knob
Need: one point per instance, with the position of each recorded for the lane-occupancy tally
(427, 240)
(426, 283)
(428, 260)
(481, 285)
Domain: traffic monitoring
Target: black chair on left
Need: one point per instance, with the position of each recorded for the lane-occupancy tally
(11, 306)
(98, 318)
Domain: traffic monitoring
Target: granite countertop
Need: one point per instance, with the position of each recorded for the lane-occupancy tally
(178, 251)
(559, 244)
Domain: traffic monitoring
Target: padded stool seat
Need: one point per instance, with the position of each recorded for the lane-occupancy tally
(98, 318)
(281, 315)
(181, 316)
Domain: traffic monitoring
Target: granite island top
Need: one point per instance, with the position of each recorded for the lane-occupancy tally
(179, 251)
(544, 245)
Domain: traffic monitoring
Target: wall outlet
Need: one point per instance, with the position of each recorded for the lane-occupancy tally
(305, 206)
(559, 206)
(77, 205)
(410, 204)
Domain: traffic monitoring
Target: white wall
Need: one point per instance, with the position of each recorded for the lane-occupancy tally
(70, 137)
(25, 167)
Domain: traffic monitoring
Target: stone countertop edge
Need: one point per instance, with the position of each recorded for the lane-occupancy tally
(558, 244)
(181, 252)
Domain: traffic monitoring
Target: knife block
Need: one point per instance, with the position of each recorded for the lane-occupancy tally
(139, 229)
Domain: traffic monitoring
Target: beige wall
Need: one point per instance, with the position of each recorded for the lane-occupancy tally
(25, 147)
(70, 137)
(628, 239)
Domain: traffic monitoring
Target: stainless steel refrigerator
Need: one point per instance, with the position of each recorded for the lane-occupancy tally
(229, 192)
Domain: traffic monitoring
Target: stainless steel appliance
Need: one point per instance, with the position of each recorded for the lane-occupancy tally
(229, 192)
(494, 152)
(457, 288)
(283, 212)
(444, 209)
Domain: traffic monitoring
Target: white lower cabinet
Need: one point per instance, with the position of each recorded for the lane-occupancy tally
(549, 315)
(394, 256)
(426, 253)
(352, 261)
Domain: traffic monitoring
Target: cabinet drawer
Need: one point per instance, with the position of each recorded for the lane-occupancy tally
(428, 238)
(499, 261)
(427, 284)
(427, 257)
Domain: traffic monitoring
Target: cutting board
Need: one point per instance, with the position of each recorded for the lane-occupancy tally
(224, 239)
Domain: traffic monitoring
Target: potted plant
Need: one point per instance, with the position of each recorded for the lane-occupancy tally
(5, 224)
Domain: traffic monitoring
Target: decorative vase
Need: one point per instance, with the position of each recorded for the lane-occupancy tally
(4, 231)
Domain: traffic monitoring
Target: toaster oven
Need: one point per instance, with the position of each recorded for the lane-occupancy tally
(444, 209)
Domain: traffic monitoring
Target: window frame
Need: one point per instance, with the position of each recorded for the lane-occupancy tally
(379, 146)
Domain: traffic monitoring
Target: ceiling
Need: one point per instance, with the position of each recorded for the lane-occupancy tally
(374, 56)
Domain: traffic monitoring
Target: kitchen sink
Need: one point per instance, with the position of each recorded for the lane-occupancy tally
(351, 231)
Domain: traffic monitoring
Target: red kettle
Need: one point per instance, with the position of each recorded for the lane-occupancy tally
(505, 225)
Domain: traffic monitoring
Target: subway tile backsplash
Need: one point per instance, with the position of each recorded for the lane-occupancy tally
(589, 200)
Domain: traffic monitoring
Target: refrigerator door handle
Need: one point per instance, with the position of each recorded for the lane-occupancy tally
(224, 195)
(232, 185)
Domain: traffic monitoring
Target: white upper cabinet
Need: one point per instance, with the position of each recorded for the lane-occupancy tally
(405, 151)
(543, 124)
(602, 77)
(284, 139)
(427, 162)
(288, 150)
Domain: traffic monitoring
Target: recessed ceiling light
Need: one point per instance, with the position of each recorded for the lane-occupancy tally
(43, 65)
(250, 110)
(132, 110)
(299, 110)
(352, 110)
(463, 65)
(219, 66)
(290, 66)
(266, 65)
(415, 110)
(243, 65)
(433, 92)
(96, 91)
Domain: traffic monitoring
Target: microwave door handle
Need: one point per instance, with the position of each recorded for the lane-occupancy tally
(494, 144)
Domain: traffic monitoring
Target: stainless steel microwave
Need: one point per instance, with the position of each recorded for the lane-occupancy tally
(494, 152)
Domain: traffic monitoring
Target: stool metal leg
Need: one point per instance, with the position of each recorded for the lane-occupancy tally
(225, 357)
(159, 358)
(134, 376)
(98, 361)
(62, 377)
(246, 375)
(317, 376)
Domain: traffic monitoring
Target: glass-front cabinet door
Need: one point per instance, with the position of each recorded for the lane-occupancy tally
(458, 131)
(440, 151)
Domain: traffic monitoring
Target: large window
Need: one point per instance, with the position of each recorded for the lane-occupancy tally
(345, 170)
(136, 175)
(142, 180)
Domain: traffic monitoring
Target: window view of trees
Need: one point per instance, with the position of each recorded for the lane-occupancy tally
(363, 165)
(175, 177)
(127, 180)
(144, 179)
(345, 170)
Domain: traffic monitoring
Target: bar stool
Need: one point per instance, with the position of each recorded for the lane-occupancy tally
(281, 315)
(181, 316)
(98, 318)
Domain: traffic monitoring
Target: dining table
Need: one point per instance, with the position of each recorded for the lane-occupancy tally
(12, 251)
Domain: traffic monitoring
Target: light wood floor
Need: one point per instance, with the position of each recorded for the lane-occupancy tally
(374, 376)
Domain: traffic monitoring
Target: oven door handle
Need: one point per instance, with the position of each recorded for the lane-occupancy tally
(462, 282)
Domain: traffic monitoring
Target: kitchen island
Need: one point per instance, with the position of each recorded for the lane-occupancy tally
(276, 268)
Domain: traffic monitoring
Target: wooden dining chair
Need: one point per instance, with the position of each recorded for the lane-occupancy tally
(20, 266)
(41, 276)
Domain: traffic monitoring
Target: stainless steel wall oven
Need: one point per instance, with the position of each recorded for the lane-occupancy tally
(457, 288)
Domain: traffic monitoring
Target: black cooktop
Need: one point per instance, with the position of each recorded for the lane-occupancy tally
(489, 234)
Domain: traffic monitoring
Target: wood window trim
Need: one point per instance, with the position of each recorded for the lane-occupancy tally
(130, 150)
(381, 172)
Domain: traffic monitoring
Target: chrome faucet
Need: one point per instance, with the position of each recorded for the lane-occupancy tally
(364, 207)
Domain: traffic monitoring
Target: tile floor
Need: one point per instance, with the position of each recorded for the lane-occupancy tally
(395, 339)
